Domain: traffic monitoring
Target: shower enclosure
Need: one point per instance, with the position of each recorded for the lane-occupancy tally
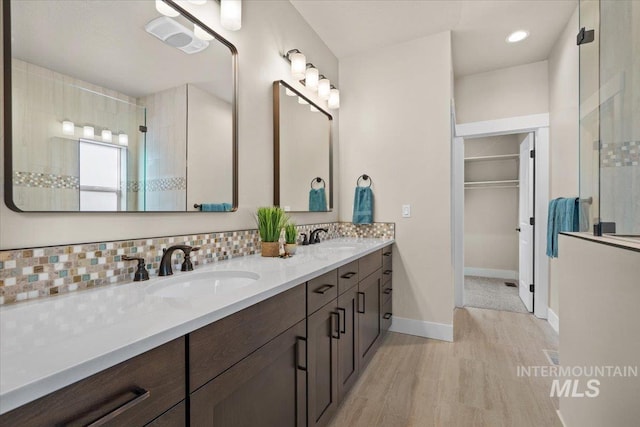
(610, 116)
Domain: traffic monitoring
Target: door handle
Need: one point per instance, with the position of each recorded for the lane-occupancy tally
(518, 229)
(361, 294)
(301, 355)
(335, 325)
(343, 330)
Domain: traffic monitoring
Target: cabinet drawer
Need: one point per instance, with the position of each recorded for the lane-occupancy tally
(387, 290)
(321, 290)
(387, 312)
(131, 393)
(387, 258)
(369, 264)
(216, 347)
(347, 277)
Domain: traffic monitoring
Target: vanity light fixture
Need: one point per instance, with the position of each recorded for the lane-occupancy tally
(301, 100)
(123, 139)
(106, 135)
(231, 14)
(298, 63)
(334, 98)
(68, 128)
(88, 131)
(165, 9)
(311, 77)
(201, 34)
(517, 36)
(324, 88)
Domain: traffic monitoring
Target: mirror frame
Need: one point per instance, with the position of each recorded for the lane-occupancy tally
(276, 143)
(8, 125)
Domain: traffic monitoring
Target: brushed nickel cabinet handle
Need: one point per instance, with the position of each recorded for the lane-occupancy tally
(142, 394)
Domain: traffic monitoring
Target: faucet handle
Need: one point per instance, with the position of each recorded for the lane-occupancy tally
(141, 273)
(305, 241)
(187, 265)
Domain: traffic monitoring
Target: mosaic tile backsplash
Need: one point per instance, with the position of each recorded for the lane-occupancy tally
(26, 274)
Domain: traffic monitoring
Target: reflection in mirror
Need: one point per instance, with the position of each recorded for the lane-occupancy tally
(115, 107)
(303, 169)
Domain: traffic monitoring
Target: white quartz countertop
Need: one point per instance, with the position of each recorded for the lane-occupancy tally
(48, 344)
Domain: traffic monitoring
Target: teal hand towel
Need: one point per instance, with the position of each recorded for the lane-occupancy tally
(363, 206)
(317, 200)
(215, 207)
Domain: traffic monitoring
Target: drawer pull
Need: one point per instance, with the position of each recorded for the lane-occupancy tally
(335, 325)
(348, 275)
(301, 355)
(387, 316)
(142, 394)
(387, 272)
(388, 291)
(361, 294)
(343, 330)
(322, 289)
(386, 254)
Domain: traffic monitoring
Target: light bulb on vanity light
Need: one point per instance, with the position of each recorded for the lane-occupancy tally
(165, 9)
(201, 34)
(68, 128)
(324, 88)
(123, 139)
(88, 132)
(298, 64)
(334, 99)
(106, 135)
(311, 77)
(231, 14)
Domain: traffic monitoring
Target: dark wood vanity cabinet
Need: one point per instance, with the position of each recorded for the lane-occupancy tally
(369, 307)
(267, 388)
(133, 393)
(387, 288)
(348, 354)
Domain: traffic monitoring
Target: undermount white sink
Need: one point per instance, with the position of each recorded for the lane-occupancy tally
(202, 284)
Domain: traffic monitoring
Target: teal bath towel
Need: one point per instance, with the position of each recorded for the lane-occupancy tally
(317, 200)
(215, 207)
(563, 216)
(363, 206)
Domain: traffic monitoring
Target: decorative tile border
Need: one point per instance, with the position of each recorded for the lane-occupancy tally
(40, 272)
(164, 184)
(620, 154)
(45, 180)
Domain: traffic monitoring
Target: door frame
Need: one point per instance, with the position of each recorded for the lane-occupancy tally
(539, 125)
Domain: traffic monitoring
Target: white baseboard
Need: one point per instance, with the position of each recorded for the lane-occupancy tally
(553, 320)
(421, 328)
(490, 272)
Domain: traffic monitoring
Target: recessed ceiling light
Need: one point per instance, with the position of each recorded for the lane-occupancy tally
(517, 36)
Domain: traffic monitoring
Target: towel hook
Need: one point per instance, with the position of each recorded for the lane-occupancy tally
(197, 206)
(365, 177)
(318, 180)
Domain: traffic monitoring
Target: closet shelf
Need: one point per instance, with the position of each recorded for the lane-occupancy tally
(496, 157)
(508, 183)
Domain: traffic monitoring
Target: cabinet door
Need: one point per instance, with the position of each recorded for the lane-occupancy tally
(322, 354)
(267, 388)
(369, 326)
(348, 343)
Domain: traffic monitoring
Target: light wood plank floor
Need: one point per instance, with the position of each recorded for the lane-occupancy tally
(414, 381)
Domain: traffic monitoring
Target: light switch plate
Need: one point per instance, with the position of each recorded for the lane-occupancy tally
(406, 211)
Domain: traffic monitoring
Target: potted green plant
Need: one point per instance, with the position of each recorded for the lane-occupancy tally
(290, 238)
(271, 221)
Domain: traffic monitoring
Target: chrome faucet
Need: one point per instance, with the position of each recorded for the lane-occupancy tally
(165, 264)
(313, 236)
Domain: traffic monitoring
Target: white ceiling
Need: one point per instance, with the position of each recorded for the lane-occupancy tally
(479, 27)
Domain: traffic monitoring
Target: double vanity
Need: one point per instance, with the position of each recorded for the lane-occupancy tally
(244, 342)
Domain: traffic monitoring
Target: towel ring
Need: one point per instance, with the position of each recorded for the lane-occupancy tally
(366, 178)
(318, 180)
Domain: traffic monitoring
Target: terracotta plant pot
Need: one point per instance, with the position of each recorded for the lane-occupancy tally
(291, 248)
(271, 249)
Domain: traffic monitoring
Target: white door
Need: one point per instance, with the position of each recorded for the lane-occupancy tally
(524, 226)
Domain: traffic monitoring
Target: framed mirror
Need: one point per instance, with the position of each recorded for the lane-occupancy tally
(111, 105)
(303, 166)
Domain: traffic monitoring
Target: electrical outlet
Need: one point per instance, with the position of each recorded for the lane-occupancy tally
(406, 211)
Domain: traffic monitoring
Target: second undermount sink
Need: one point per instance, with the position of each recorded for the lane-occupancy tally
(202, 284)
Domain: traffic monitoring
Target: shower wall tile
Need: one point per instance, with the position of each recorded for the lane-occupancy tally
(27, 274)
